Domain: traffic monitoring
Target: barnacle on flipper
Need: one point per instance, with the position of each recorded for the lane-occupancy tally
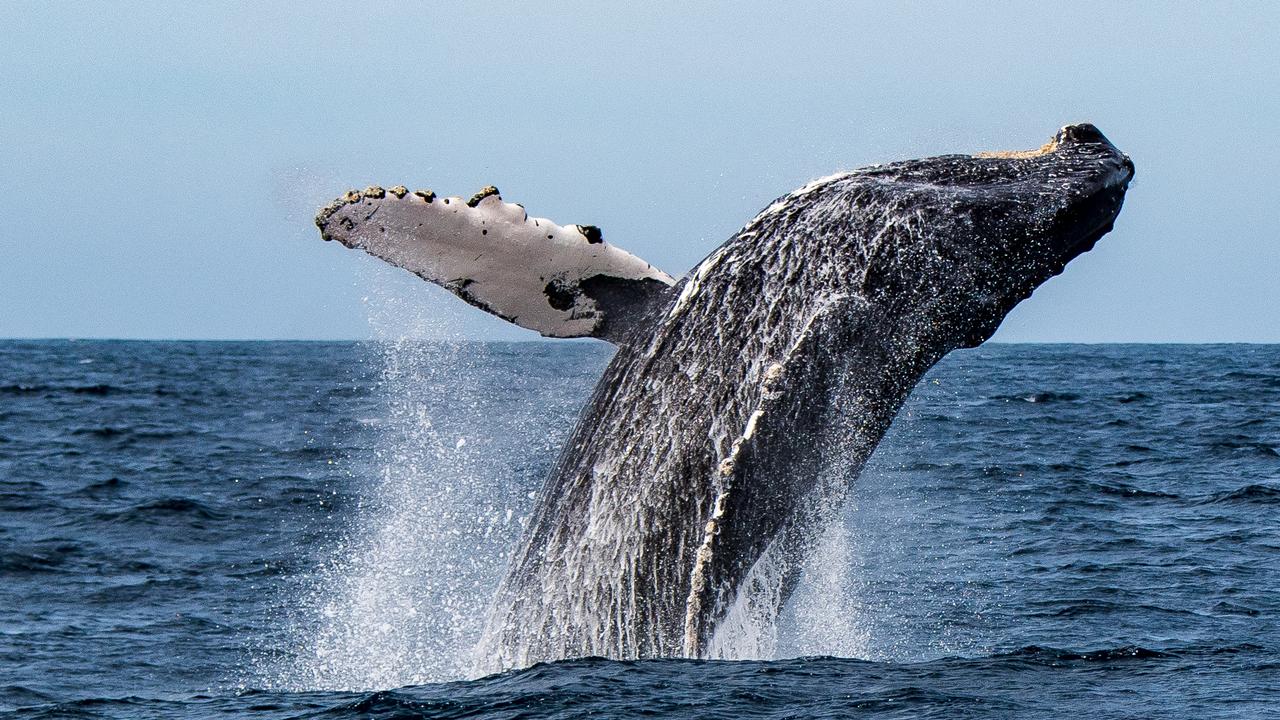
(485, 192)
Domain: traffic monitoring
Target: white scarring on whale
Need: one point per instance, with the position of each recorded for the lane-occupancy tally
(744, 399)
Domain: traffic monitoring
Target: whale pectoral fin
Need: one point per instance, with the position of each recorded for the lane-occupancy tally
(561, 281)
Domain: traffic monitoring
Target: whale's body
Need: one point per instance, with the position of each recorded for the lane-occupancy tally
(744, 398)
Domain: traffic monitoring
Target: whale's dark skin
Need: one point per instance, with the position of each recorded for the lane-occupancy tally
(742, 402)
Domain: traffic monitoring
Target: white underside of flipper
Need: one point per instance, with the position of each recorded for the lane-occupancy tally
(561, 281)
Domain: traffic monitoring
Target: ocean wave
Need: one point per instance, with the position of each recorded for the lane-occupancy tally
(1256, 493)
(148, 589)
(37, 560)
(111, 432)
(1044, 396)
(90, 390)
(1128, 491)
(1025, 681)
(95, 490)
(1226, 608)
(161, 508)
(105, 431)
(21, 389)
(1254, 376)
(1054, 656)
(26, 502)
(1087, 607)
(99, 389)
(1247, 445)
(349, 391)
(18, 696)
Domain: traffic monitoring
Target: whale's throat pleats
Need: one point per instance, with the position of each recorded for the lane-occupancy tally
(561, 281)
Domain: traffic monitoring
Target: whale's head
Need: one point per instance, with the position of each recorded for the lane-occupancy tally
(1076, 183)
(990, 228)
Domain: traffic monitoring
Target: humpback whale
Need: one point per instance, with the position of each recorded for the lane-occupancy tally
(745, 396)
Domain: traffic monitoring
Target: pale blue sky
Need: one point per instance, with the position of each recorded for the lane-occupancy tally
(161, 161)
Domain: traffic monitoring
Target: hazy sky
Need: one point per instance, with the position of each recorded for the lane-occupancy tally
(161, 162)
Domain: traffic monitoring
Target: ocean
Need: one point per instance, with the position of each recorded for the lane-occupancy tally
(313, 530)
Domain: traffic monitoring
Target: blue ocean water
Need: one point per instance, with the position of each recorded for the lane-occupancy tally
(310, 530)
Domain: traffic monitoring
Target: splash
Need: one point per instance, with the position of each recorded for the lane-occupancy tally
(826, 614)
(400, 599)
(402, 596)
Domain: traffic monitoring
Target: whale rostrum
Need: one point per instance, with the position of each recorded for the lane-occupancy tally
(744, 398)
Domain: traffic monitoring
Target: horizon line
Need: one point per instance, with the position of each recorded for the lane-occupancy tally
(549, 340)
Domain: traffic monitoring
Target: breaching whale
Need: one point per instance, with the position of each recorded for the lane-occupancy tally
(744, 397)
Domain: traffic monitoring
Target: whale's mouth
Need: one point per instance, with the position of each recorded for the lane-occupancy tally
(1095, 215)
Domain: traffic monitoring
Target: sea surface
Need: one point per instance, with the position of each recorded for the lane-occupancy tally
(312, 530)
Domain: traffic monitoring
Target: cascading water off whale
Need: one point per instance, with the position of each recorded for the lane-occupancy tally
(744, 397)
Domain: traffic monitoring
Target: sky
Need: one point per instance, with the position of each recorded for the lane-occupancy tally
(162, 162)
